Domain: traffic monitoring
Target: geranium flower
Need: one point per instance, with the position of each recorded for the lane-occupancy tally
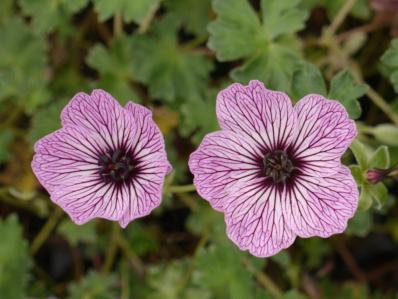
(107, 161)
(274, 170)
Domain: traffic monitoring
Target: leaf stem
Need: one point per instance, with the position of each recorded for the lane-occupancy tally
(48, 227)
(186, 278)
(181, 189)
(118, 24)
(341, 15)
(144, 26)
(111, 253)
(382, 104)
(264, 280)
(130, 254)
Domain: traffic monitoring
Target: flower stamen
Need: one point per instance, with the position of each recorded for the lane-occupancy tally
(116, 166)
(278, 166)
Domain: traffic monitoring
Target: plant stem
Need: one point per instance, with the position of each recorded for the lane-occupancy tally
(111, 253)
(148, 19)
(48, 227)
(186, 278)
(125, 292)
(118, 24)
(383, 105)
(264, 280)
(181, 189)
(130, 254)
(341, 15)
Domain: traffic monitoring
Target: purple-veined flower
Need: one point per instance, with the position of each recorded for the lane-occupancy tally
(274, 170)
(106, 161)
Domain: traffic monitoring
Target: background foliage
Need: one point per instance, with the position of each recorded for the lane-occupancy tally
(173, 56)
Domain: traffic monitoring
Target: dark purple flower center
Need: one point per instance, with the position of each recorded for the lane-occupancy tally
(278, 166)
(117, 166)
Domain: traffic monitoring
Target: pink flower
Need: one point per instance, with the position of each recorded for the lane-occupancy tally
(107, 161)
(274, 170)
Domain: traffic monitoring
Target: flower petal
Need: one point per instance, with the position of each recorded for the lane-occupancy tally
(264, 115)
(148, 147)
(324, 134)
(223, 161)
(317, 206)
(145, 194)
(66, 164)
(101, 113)
(255, 220)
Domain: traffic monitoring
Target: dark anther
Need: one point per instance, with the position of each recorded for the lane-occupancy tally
(278, 166)
(116, 166)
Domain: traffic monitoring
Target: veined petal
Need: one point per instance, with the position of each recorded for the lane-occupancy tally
(324, 134)
(316, 206)
(263, 115)
(100, 113)
(146, 142)
(66, 164)
(145, 193)
(223, 162)
(255, 220)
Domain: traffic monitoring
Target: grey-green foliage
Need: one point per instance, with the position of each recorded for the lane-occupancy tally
(269, 50)
(23, 62)
(94, 286)
(15, 262)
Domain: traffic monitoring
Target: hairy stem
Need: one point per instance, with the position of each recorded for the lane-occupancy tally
(341, 15)
(135, 261)
(48, 227)
(181, 189)
(112, 250)
(264, 280)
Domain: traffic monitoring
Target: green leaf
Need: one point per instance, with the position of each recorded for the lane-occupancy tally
(46, 120)
(379, 193)
(390, 61)
(365, 198)
(236, 32)
(15, 262)
(48, 15)
(77, 233)
(361, 153)
(6, 10)
(293, 294)
(380, 158)
(385, 133)
(274, 67)
(23, 62)
(280, 17)
(194, 112)
(315, 250)
(207, 219)
(170, 70)
(165, 281)
(308, 79)
(135, 10)
(267, 46)
(282, 258)
(360, 9)
(221, 270)
(361, 224)
(115, 66)
(343, 89)
(142, 239)
(94, 286)
(390, 57)
(192, 14)
(357, 173)
(6, 136)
